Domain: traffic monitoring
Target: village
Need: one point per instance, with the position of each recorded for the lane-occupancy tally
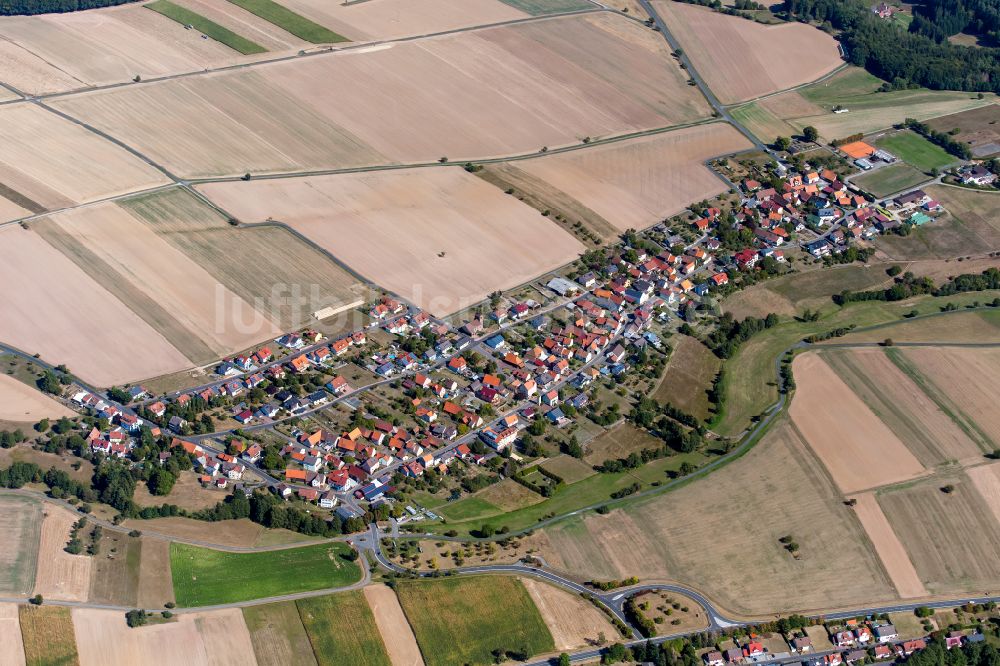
(466, 391)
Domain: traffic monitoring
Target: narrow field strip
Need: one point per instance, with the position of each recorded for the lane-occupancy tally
(291, 22)
(212, 29)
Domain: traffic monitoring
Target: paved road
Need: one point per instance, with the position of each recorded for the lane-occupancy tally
(719, 108)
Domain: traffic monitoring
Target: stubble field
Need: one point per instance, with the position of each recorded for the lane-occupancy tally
(11, 643)
(217, 638)
(21, 522)
(57, 52)
(51, 175)
(901, 404)
(721, 536)
(167, 289)
(890, 550)
(21, 403)
(635, 183)
(61, 575)
(964, 383)
(742, 59)
(397, 636)
(573, 622)
(441, 238)
(494, 91)
(860, 452)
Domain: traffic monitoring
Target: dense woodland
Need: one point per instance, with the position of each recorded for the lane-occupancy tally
(940, 19)
(31, 7)
(902, 58)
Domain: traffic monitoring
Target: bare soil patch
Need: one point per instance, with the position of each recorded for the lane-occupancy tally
(903, 406)
(21, 524)
(61, 575)
(400, 643)
(742, 59)
(951, 538)
(438, 237)
(242, 532)
(21, 403)
(689, 376)
(216, 638)
(691, 535)
(858, 449)
(490, 92)
(573, 622)
(890, 551)
(964, 382)
(155, 587)
(637, 183)
(51, 307)
(11, 643)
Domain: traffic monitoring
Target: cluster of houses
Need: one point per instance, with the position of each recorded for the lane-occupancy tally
(853, 642)
(217, 469)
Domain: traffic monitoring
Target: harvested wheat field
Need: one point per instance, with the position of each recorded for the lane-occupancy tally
(497, 91)
(47, 633)
(188, 493)
(215, 638)
(637, 183)
(742, 59)
(986, 480)
(572, 621)
(400, 643)
(901, 404)
(858, 449)
(962, 381)
(51, 173)
(20, 523)
(951, 538)
(11, 643)
(21, 403)
(890, 551)
(392, 19)
(721, 536)
(291, 279)
(179, 298)
(81, 49)
(61, 575)
(53, 308)
(440, 238)
(155, 584)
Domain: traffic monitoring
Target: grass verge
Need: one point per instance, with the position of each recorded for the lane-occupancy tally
(207, 27)
(203, 576)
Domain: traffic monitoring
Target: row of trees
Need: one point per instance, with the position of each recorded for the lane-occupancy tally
(32, 7)
(943, 139)
(908, 286)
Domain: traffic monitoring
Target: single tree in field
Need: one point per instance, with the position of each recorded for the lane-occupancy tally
(810, 133)
(782, 143)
